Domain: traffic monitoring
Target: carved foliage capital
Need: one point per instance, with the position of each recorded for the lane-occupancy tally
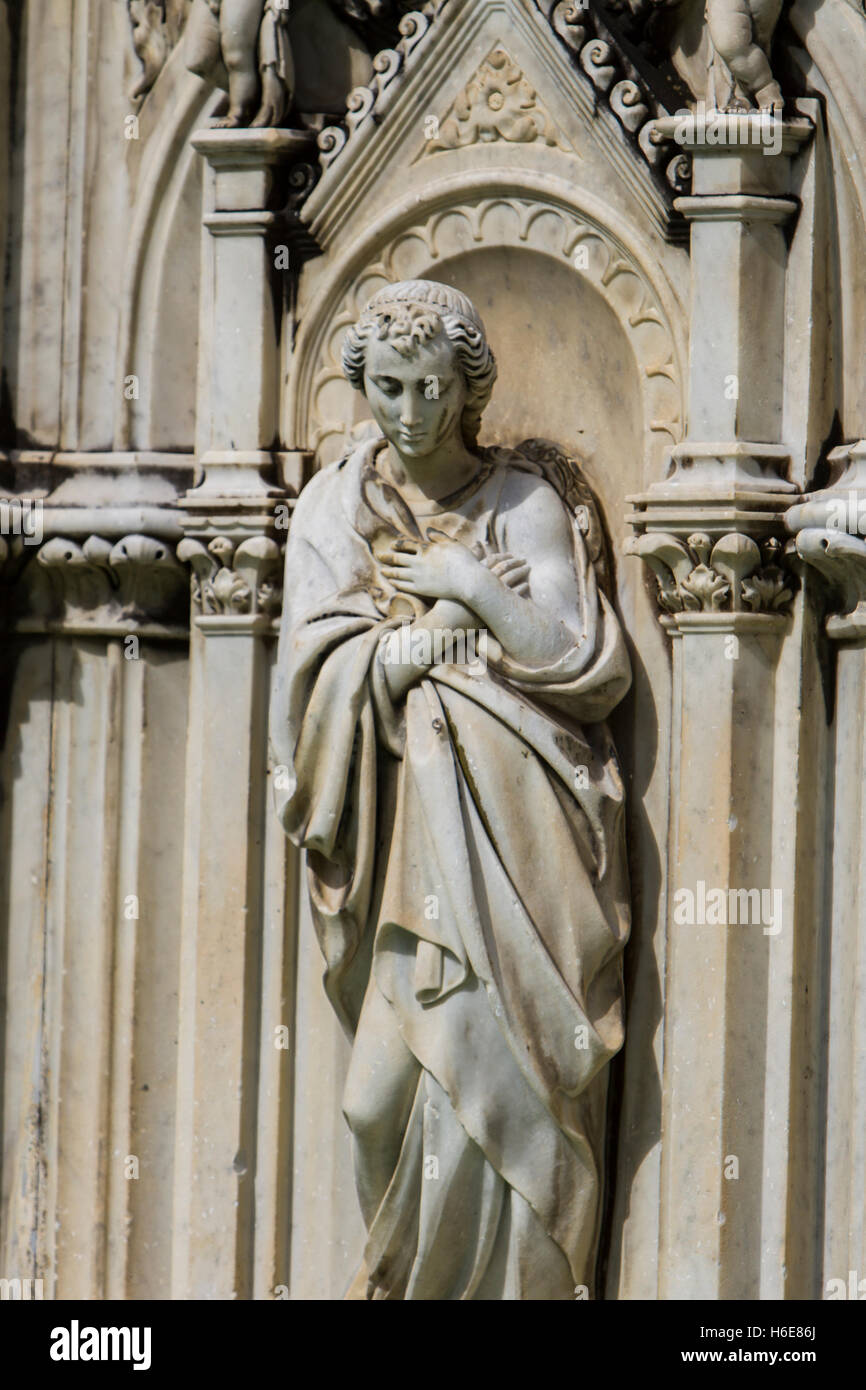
(231, 579)
(101, 586)
(731, 575)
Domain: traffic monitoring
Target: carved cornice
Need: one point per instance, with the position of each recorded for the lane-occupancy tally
(732, 575)
(598, 59)
(368, 104)
(231, 580)
(98, 587)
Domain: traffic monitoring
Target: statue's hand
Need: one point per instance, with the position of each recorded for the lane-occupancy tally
(445, 569)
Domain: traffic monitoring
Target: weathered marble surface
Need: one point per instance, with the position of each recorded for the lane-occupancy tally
(680, 310)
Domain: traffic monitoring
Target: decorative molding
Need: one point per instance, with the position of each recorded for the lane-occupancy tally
(231, 580)
(731, 575)
(497, 104)
(538, 222)
(617, 83)
(134, 585)
(391, 67)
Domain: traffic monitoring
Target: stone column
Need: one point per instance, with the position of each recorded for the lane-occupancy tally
(235, 599)
(96, 650)
(251, 251)
(829, 529)
(231, 1164)
(712, 534)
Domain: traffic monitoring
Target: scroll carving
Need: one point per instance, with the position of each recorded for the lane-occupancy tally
(618, 83)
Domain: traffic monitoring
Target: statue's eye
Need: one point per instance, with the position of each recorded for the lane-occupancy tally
(388, 385)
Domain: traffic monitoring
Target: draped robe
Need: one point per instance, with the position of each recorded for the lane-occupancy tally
(467, 873)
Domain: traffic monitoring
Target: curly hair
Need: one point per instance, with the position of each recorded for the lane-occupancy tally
(413, 312)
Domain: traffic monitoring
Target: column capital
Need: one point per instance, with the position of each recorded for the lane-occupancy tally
(236, 587)
(244, 162)
(729, 583)
(97, 586)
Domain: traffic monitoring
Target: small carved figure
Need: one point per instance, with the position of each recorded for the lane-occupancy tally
(245, 45)
(721, 48)
(741, 32)
(248, 39)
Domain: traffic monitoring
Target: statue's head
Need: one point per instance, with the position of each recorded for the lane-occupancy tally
(420, 355)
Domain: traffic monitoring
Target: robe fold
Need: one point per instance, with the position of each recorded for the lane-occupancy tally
(467, 872)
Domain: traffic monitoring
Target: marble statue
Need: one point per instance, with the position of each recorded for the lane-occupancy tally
(463, 820)
(249, 40)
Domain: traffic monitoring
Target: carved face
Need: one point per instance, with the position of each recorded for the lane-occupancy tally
(417, 401)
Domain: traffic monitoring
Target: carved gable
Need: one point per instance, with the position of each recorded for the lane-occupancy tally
(499, 77)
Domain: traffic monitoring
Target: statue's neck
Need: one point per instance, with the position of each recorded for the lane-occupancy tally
(437, 475)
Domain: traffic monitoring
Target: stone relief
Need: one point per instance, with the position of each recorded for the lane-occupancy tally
(498, 104)
(721, 48)
(156, 28)
(447, 660)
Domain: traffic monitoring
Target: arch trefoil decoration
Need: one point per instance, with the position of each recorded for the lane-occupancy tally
(485, 212)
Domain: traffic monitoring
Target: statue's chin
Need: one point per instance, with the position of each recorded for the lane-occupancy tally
(417, 450)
